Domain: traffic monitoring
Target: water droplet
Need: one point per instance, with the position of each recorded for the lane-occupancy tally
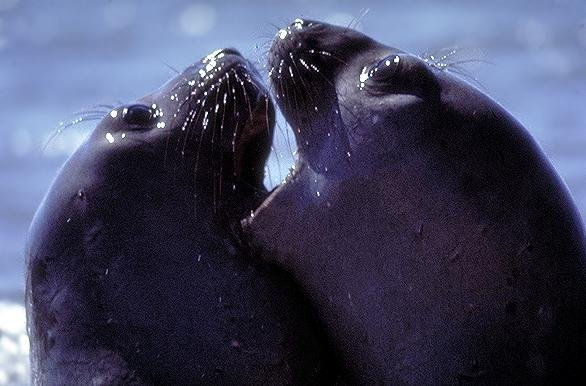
(363, 75)
(298, 23)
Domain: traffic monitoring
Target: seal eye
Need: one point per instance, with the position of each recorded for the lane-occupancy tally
(381, 77)
(400, 74)
(385, 70)
(137, 115)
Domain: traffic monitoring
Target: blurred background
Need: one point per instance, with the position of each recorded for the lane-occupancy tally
(61, 57)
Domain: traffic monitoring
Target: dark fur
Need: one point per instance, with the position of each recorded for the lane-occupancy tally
(431, 233)
(134, 273)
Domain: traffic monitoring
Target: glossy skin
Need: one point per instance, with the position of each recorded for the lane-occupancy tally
(429, 230)
(135, 274)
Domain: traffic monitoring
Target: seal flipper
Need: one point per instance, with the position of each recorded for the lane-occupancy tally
(90, 367)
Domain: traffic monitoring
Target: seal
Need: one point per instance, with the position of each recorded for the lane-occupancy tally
(427, 227)
(135, 274)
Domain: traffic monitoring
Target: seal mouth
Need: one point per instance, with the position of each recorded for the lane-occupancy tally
(252, 117)
(303, 61)
(252, 143)
(219, 118)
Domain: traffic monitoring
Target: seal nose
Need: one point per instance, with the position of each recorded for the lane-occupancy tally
(297, 23)
(229, 51)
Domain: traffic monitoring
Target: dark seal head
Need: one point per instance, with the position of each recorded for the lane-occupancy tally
(135, 274)
(430, 231)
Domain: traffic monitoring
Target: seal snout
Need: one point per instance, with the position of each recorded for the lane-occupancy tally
(289, 41)
(230, 51)
(221, 53)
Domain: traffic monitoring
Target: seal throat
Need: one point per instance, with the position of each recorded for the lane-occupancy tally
(303, 84)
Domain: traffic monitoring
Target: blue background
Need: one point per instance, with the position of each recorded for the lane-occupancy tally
(60, 57)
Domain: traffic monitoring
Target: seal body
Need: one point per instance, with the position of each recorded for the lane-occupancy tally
(432, 234)
(135, 275)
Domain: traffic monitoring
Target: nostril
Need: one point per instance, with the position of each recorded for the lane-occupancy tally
(229, 51)
(297, 23)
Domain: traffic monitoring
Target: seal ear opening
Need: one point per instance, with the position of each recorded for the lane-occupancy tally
(253, 143)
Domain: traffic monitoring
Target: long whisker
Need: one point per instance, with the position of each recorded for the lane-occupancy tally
(176, 71)
(64, 125)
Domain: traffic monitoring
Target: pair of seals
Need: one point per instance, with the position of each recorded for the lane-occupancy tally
(134, 273)
(429, 230)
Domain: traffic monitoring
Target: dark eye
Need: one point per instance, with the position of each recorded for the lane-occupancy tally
(385, 69)
(400, 74)
(137, 115)
(382, 76)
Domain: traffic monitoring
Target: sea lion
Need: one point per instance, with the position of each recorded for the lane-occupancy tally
(135, 275)
(431, 233)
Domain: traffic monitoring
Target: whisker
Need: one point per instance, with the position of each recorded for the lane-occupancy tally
(360, 17)
(91, 116)
(176, 71)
